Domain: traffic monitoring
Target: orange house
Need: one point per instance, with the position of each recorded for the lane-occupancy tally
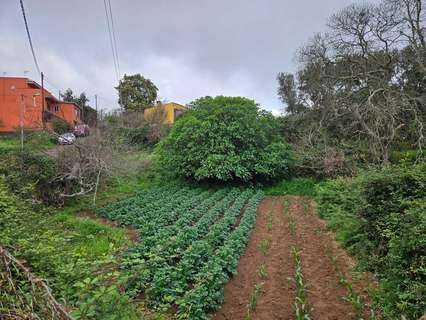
(21, 102)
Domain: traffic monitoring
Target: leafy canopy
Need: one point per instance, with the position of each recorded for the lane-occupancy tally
(225, 138)
(136, 92)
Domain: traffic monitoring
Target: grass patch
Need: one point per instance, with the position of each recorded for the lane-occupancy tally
(295, 186)
(35, 141)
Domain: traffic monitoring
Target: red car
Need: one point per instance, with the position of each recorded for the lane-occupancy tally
(81, 130)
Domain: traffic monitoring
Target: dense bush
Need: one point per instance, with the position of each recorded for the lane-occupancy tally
(31, 176)
(60, 126)
(130, 129)
(380, 217)
(225, 138)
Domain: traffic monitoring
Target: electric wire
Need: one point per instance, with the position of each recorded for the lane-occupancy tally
(111, 40)
(29, 36)
(114, 38)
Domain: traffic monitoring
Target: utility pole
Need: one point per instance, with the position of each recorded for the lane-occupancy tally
(96, 108)
(42, 100)
(21, 121)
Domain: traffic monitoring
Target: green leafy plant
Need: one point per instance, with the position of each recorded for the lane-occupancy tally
(379, 216)
(191, 243)
(60, 126)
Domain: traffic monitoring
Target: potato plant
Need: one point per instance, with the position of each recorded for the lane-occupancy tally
(207, 292)
(187, 236)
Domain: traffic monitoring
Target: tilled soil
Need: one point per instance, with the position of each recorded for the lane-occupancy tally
(323, 291)
(275, 302)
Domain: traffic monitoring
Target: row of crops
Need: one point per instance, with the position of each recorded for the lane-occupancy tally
(190, 244)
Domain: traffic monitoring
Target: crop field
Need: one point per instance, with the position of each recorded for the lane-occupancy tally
(190, 242)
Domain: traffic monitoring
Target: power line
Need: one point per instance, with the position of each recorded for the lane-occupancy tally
(114, 38)
(111, 41)
(29, 36)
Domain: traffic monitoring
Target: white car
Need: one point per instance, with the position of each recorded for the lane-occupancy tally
(66, 138)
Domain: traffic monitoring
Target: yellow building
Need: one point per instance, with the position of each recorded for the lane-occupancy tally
(166, 113)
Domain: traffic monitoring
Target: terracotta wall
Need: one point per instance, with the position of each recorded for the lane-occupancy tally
(19, 95)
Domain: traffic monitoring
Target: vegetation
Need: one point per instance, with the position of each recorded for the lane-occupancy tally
(302, 186)
(301, 307)
(60, 126)
(136, 92)
(380, 217)
(67, 251)
(352, 135)
(225, 139)
(185, 253)
(357, 94)
(257, 290)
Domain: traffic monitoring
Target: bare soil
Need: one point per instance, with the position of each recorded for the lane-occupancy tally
(275, 302)
(323, 291)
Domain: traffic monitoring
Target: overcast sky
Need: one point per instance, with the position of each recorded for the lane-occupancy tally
(189, 48)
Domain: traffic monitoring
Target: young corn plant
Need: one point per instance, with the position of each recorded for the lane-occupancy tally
(292, 225)
(251, 307)
(286, 206)
(306, 204)
(352, 297)
(301, 307)
(269, 217)
(356, 300)
(269, 222)
(264, 246)
(262, 272)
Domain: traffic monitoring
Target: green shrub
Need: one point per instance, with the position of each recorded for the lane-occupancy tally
(31, 176)
(225, 139)
(60, 126)
(380, 217)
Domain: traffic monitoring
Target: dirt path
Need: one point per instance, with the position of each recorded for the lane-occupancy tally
(324, 293)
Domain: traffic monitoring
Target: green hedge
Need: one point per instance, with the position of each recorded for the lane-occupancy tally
(380, 216)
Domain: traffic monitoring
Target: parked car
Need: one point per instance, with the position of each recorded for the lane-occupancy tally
(81, 130)
(66, 138)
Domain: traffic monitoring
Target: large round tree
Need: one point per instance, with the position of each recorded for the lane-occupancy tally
(225, 138)
(136, 92)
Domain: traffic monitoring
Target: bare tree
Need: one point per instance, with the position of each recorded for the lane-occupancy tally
(358, 78)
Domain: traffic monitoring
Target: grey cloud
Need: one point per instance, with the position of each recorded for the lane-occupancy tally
(188, 47)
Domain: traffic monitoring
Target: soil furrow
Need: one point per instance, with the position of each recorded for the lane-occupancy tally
(278, 295)
(324, 293)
